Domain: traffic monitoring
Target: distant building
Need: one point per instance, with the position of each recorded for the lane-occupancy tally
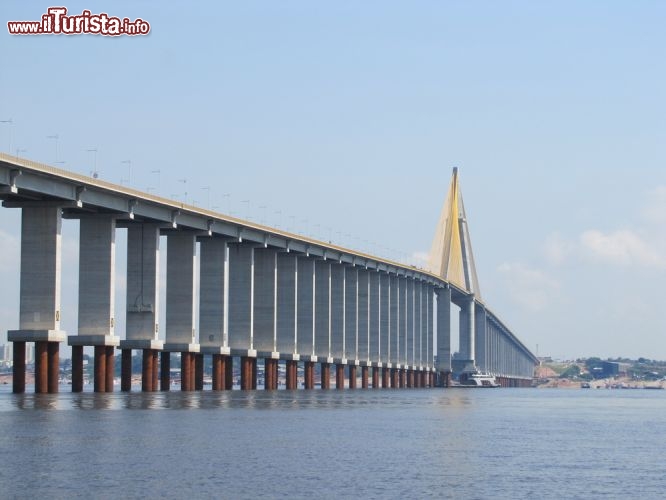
(6, 351)
(610, 369)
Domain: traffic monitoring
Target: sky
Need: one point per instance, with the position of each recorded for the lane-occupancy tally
(343, 120)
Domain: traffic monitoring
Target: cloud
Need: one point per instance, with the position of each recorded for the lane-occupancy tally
(530, 288)
(623, 247)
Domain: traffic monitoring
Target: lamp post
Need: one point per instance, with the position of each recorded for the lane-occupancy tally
(93, 173)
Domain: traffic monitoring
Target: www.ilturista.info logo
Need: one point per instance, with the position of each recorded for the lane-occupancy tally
(57, 22)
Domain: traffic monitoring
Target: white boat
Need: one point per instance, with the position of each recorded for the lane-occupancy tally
(477, 379)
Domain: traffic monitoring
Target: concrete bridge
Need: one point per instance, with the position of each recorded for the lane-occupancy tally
(263, 294)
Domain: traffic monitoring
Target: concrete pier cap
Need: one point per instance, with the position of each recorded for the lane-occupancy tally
(36, 336)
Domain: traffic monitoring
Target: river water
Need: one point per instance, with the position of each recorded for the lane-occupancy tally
(424, 443)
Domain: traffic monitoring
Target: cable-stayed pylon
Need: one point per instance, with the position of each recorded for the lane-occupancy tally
(451, 255)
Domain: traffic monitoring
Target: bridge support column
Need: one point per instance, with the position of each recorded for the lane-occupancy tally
(77, 368)
(100, 369)
(402, 378)
(364, 377)
(248, 373)
(292, 375)
(410, 378)
(198, 371)
(218, 372)
(110, 367)
(308, 368)
(228, 368)
(325, 376)
(39, 299)
(125, 369)
(394, 378)
(352, 376)
(385, 378)
(339, 376)
(270, 374)
(165, 371)
(41, 368)
(147, 370)
(375, 377)
(18, 368)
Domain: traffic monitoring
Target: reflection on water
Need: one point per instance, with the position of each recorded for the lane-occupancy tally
(424, 443)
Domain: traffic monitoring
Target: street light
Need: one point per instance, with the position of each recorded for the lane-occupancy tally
(20, 150)
(94, 173)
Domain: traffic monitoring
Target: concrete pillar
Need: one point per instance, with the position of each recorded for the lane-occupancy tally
(100, 368)
(241, 297)
(466, 322)
(373, 294)
(248, 373)
(385, 378)
(410, 323)
(287, 273)
(352, 376)
(77, 368)
(39, 296)
(264, 302)
(363, 311)
(228, 367)
(213, 295)
(351, 313)
(480, 338)
(53, 349)
(147, 371)
(364, 377)
(142, 290)
(322, 310)
(384, 317)
(394, 378)
(185, 371)
(97, 266)
(443, 359)
(270, 374)
(308, 368)
(180, 293)
(325, 376)
(410, 378)
(338, 311)
(394, 320)
(110, 368)
(339, 376)
(218, 372)
(305, 301)
(375, 377)
(18, 368)
(419, 317)
(198, 372)
(402, 377)
(41, 368)
(292, 375)
(165, 371)
(39, 306)
(125, 370)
